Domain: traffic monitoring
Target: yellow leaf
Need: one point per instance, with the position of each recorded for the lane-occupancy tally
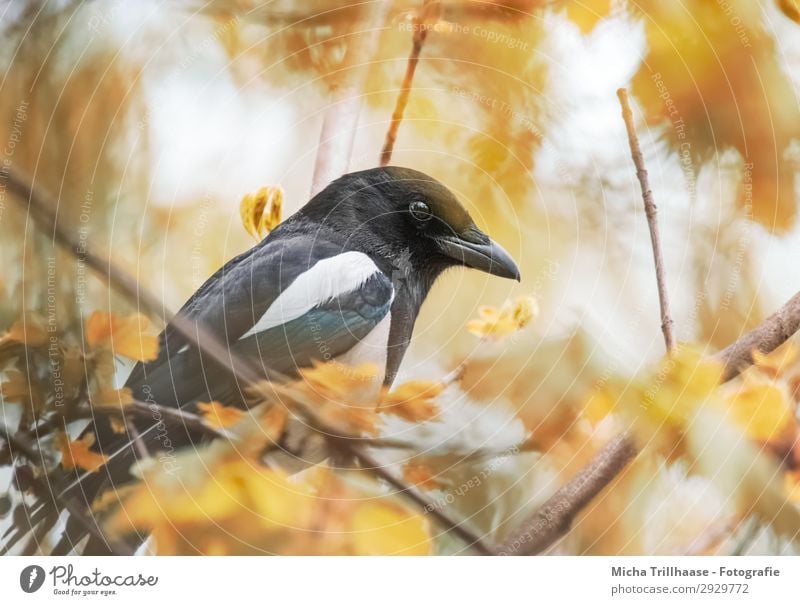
(344, 396)
(15, 388)
(413, 400)
(124, 335)
(790, 8)
(421, 475)
(29, 330)
(219, 416)
(383, 528)
(496, 323)
(334, 380)
(776, 363)
(118, 425)
(230, 489)
(76, 454)
(680, 385)
(112, 397)
(599, 405)
(762, 408)
(261, 212)
(791, 484)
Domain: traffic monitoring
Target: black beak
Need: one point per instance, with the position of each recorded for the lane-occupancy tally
(475, 249)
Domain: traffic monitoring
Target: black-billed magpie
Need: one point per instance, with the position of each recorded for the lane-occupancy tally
(342, 279)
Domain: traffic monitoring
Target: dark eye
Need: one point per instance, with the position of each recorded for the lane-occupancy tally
(420, 211)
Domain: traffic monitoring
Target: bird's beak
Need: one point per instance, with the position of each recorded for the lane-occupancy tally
(475, 249)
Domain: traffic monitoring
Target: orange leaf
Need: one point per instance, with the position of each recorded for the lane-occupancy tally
(261, 212)
(219, 416)
(76, 454)
(413, 400)
(28, 330)
(421, 475)
(112, 398)
(124, 335)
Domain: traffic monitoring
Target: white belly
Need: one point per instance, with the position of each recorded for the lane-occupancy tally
(371, 349)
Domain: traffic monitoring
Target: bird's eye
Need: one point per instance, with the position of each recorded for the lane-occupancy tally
(420, 211)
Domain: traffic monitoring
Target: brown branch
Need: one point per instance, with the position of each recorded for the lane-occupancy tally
(776, 329)
(555, 517)
(651, 211)
(209, 344)
(31, 452)
(418, 41)
(341, 118)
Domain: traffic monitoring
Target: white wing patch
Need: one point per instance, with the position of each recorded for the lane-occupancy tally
(327, 279)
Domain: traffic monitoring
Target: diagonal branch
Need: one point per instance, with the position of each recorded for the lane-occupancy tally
(31, 452)
(776, 329)
(555, 517)
(651, 211)
(420, 25)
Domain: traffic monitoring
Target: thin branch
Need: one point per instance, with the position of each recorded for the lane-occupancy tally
(418, 41)
(341, 118)
(138, 442)
(555, 517)
(206, 342)
(776, 329)
(540, 531)
(32, 453)
(651, 211)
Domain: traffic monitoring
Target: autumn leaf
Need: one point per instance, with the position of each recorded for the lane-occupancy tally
(791, 484)
(790, 8)
(496, 324)
(334, 380)
(77, 454)
(19, 389)
(599, 405)
(420, 474)
(233, 491)
(15, 387)
(219, 416)
(681, 384)
(776, 364)
(261, 212)
(124, 335)
(118, 425)
(112, 397)
(761, 408)
(341, 395)
(413, 400)
(29, 330)
(383, 528)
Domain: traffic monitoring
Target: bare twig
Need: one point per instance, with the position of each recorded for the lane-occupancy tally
(418, 41)
(21, 445)
(543, 528)
(554, 518)
(776, 329)
(138, 442)
(341, 118)
(651, 211)
(209, 344)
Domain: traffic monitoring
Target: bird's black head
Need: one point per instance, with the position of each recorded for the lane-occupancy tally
(405, 216)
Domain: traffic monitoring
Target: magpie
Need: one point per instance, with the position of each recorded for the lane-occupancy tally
(342, 279)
